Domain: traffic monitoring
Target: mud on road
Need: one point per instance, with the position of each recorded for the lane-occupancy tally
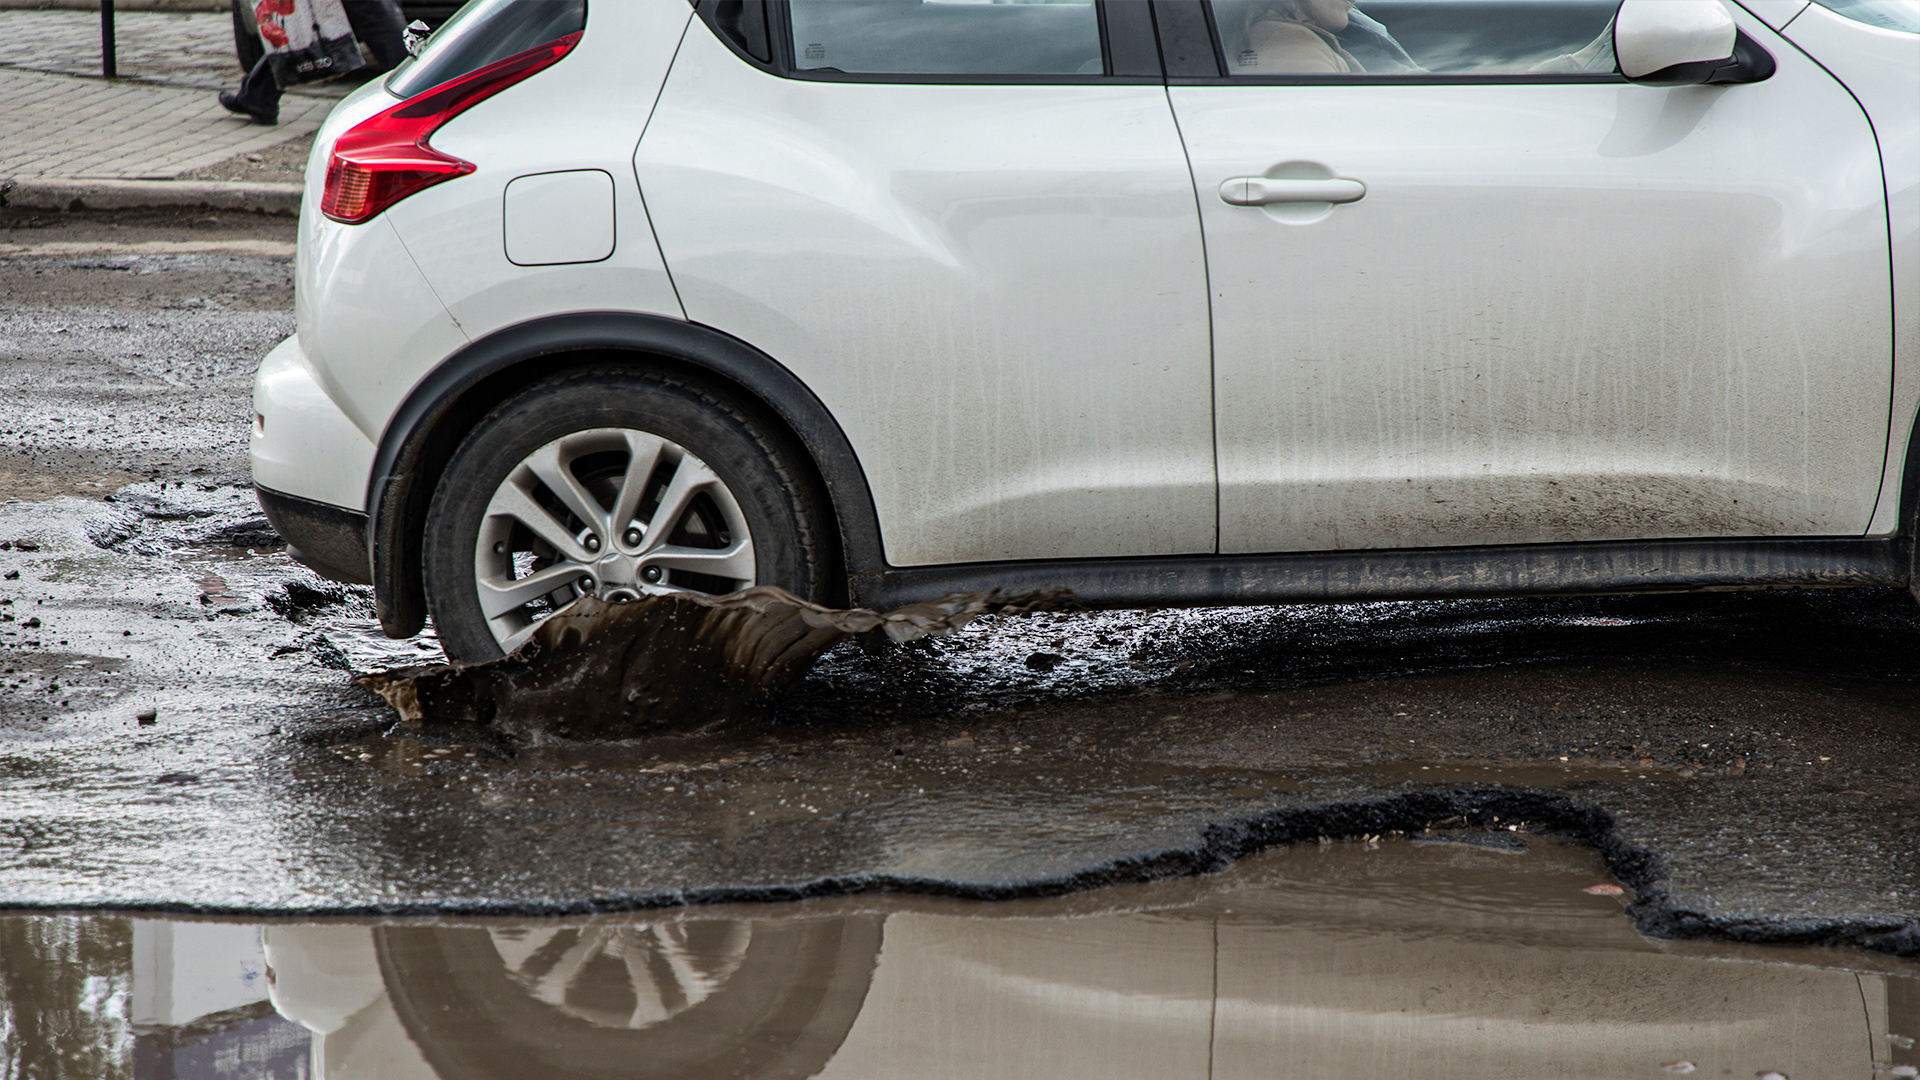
(129, 342)
(1743, 762)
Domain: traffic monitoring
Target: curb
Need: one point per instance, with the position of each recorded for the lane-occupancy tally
(53, 194)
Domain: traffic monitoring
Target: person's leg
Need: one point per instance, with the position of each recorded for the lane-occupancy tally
(381, 28)
(258, 96)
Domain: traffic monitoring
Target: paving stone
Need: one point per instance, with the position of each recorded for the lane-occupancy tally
(187, 50)
(58, 125)
(158, 120)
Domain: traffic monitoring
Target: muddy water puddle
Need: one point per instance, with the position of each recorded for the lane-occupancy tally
(1363, 959)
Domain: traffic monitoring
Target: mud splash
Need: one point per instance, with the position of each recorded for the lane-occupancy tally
(673, 662)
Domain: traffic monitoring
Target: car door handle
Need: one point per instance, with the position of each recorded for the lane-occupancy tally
(1265, 191)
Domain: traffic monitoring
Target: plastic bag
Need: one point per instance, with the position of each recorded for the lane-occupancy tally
(306, 40)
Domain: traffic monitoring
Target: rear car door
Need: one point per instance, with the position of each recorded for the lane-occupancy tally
(970, 229)
(1562, 307)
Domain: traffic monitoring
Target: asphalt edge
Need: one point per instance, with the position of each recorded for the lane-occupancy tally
(73, 195)
(1655, 910)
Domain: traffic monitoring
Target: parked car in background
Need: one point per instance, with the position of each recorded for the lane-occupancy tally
(246, 37)
(1167, 303)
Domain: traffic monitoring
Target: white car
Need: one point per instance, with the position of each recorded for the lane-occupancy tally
(1167, 302)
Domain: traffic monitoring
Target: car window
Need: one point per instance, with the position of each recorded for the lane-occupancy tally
(1886, 14)
(947, 37)
(1337, 38)
(485, 31)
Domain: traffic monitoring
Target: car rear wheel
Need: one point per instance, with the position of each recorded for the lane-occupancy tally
(616, 483)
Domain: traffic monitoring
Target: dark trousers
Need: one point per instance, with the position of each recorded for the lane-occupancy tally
(379, 26)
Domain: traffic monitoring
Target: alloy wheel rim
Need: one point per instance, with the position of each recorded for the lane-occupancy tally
(612, 511)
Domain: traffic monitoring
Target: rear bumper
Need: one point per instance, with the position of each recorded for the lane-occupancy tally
(328, 539)
(310, 466)
(303, 443)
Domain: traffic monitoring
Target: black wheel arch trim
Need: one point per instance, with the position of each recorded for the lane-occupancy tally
(418, 439)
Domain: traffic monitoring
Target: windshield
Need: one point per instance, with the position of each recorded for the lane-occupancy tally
(485, 31)
(1887, 14)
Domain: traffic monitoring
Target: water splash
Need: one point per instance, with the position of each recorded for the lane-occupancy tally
(600, 670)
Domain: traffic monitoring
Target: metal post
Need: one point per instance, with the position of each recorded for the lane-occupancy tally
(109, 62)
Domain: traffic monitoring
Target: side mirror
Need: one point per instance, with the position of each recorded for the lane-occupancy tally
(1685, 43)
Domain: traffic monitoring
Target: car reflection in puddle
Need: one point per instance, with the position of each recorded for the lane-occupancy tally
(1371, 958)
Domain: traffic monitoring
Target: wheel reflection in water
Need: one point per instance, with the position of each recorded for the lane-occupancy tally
(678, 998)
(624, 976)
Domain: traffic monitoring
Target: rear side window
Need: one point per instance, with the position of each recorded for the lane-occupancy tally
(1903, 15)
(947, 37)
(485, 31)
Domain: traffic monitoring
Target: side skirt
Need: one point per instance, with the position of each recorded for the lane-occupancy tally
(1415, 574)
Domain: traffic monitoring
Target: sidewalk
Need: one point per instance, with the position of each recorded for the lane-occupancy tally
(66, 134)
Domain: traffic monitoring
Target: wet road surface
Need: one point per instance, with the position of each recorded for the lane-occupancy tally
(1471, 954)
(1744, 763)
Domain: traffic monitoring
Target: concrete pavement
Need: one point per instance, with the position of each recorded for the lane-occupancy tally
(66, 134)
(184, 50)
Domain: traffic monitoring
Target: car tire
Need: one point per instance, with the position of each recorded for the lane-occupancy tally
(731, 482)
(247, 47)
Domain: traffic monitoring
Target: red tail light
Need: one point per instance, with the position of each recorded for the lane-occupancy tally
(386, 158)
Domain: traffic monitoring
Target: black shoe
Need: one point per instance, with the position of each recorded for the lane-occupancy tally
(232, 103)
